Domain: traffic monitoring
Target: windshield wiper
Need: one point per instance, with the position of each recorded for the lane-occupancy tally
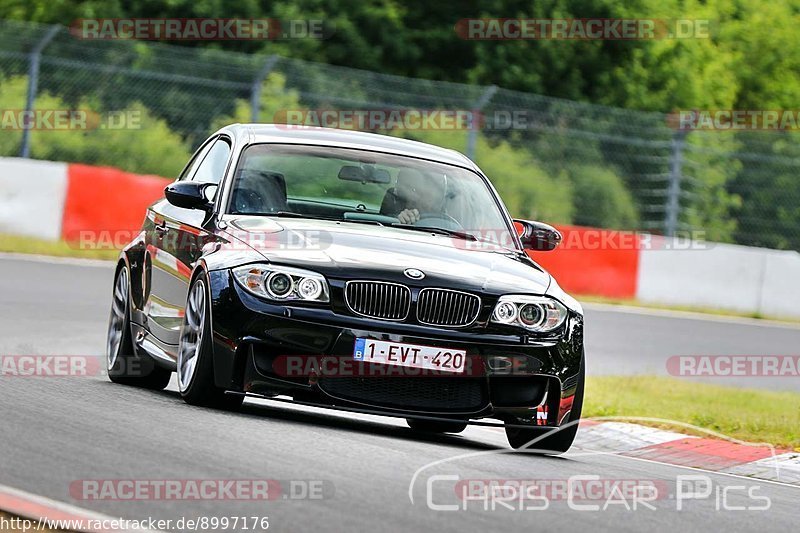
(292, 214)
(361, 221)
(430, 229)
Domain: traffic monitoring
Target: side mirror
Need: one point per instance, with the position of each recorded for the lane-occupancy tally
(537, 235)
(189, 195)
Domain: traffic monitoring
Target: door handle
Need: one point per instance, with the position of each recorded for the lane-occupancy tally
(162, 228)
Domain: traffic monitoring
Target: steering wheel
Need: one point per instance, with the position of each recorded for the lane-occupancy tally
(450, 222)
(247, 201)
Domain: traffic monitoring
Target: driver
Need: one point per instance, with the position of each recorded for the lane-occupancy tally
(415, 194)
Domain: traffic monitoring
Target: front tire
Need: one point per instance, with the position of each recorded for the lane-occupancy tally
(557, 440)
(123, 364)
(435, 426)
(196, 357)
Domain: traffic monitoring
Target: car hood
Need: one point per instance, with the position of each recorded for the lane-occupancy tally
(345, 250)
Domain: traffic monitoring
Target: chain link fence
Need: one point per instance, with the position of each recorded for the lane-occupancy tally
(149, 104)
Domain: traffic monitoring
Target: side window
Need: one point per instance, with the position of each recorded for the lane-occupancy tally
(191, 168)
(213, 166)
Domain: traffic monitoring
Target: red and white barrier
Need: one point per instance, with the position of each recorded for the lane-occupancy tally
(106, 199)
(59, 201)
(594, 261)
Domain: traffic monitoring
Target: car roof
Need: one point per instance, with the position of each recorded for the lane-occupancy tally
(277, 133)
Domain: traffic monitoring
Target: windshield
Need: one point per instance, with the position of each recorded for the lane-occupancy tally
(366, 187)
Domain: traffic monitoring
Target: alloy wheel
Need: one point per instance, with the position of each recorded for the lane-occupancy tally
(118, 320)
(192, 335)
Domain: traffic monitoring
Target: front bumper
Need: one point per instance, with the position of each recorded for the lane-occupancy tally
(307, 352)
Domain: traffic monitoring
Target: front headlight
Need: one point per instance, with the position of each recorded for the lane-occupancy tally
(282, 283)
(534, 313)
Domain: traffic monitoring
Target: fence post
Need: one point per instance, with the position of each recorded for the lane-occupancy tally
(255, 91)
(472, 137)
(673, 205)
(33, 83)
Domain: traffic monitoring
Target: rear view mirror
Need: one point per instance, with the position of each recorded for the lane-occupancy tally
(188, 194)
(364, 174)
(537, 235)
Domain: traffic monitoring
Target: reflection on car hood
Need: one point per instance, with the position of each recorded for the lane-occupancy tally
(344, 250)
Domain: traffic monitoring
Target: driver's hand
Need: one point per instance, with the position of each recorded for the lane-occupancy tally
(408, 216)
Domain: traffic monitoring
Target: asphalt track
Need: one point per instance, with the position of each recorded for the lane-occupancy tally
(57, 431)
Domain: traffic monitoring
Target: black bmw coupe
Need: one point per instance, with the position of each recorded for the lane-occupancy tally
(349, 270)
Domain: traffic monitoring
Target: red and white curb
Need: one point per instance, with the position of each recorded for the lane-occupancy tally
(38, 508)
(719, 454)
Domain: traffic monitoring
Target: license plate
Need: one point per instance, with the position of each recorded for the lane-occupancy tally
(410, 355)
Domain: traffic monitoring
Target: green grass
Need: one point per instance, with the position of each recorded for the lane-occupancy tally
(744, 414)
(30, 245)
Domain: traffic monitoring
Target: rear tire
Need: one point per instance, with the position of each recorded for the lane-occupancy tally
(435, 426)
(196, 354)
(124, 365)
(557, 440)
